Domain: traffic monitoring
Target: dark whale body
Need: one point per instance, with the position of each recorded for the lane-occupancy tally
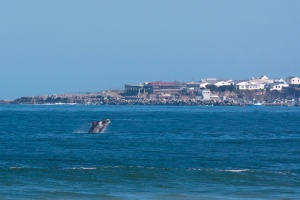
(97, 127)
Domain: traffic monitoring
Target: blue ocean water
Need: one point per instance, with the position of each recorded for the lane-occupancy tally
(149, 152)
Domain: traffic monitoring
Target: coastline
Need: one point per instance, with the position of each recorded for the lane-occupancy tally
(147, 102)
(226, 98)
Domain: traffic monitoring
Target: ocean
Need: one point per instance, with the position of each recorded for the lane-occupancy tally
(149, 152)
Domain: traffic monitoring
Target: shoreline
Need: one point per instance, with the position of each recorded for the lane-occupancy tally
(137, 103)
(255, 98)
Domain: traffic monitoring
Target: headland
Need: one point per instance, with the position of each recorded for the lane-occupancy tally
(261, 91)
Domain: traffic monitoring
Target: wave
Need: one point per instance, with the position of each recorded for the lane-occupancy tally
(84, 168)
(236, 170)
(151, 168)
(80, 131)
(220, 170)
(121, 167)
(17, 167)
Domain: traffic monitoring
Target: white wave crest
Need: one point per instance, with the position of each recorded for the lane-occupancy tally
(16, 167)
(236, 170)
(84, 168)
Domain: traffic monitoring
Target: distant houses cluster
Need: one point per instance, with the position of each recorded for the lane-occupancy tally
(265, 83)
(210, 91)
(204, 85)
(252, 84)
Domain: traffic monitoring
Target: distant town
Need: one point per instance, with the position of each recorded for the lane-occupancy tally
(256, 91)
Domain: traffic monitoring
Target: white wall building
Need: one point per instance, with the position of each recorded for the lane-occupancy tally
(262, 80)
(250, 86)
(278, 86)
(243, 83)
(209, 80)
(280, 81)
(206, 94)
(223, 83)
(203, 85)
(293, 80)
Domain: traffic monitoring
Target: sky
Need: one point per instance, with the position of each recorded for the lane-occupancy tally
(70, 46)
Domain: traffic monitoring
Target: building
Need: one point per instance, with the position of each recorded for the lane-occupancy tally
(292, 80)
(280, 81)
(135, 90)
(242, 83)
(277, 86)
(252, 87)
(223, 83)
(206, 94)
(214, 81)
(193, 85)
(163, 86)
(262, 80)
(209, 80)
(152, 87)
(203, 85)
(256, 83)
(245, 85)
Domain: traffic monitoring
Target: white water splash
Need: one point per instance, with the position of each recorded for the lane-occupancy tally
(84, 168)
(236, 170)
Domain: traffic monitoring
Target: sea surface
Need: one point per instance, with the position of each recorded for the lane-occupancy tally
(149, 152)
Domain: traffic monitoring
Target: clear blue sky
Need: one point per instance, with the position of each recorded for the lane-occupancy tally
(73, 46)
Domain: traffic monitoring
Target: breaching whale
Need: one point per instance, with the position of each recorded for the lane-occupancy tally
(98, 126)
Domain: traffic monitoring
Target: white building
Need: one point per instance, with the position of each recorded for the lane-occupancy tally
(278, 86)
(214, 81)
(280, 81)
(292, 80)
(206, 94)
(250, 86)
(242, 83)
(262, 80)
(223, 83)
(209, 80)
(203, 85)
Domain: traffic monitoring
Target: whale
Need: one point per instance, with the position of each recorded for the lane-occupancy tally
(99, 126)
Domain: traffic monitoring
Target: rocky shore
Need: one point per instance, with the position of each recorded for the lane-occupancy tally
(116, 98)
